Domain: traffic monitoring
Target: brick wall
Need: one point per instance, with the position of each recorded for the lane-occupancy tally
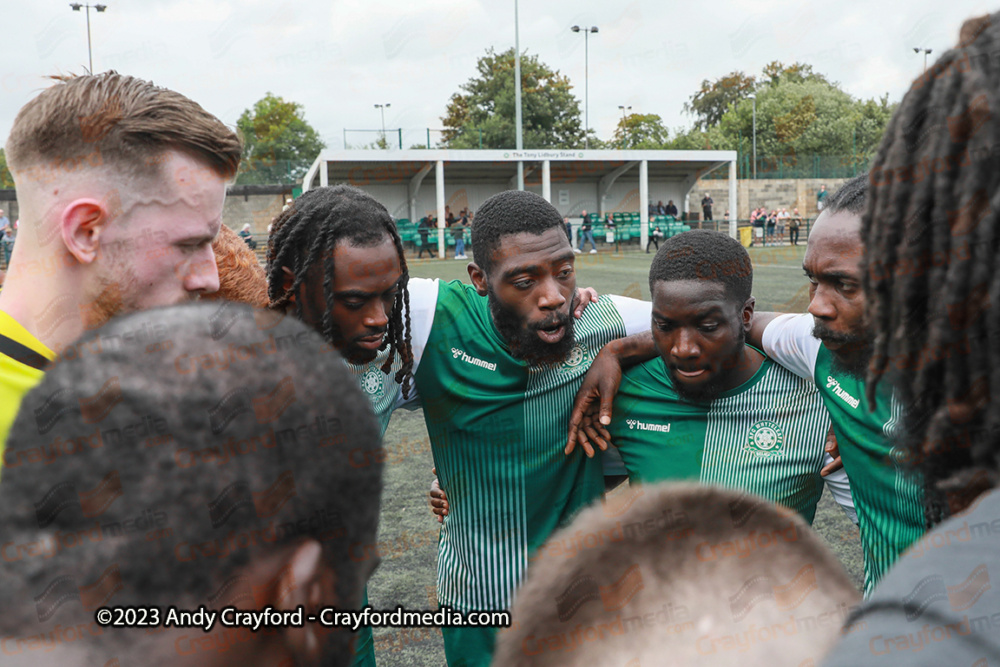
(770, 193)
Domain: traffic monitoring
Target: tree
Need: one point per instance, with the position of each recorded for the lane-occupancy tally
(641, 131)
(278, 144)
(716, 97)
(6, 180)
(486, 102)
(776, 72)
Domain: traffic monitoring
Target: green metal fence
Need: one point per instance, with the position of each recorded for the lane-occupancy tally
(797, 166)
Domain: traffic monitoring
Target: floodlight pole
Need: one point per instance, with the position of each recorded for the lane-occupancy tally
(586, 80)
(519, 136)
(100, 8)
(918, 49)
(755, 138)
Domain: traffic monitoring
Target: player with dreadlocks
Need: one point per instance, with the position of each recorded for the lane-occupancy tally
(932, 275)
(335, 260)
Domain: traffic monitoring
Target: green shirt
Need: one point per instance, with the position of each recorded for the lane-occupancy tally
(889, 498)
(498, 430)
(765, 436)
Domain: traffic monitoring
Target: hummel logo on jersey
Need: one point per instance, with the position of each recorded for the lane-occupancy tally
(831, 383)
(456, 353)
(642, 426)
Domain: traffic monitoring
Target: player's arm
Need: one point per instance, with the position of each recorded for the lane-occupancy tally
(592, 405)
(757, 326)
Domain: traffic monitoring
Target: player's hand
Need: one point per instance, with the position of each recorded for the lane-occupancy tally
(587, 295)
(834, 451)
(439, 501)
(598, 390)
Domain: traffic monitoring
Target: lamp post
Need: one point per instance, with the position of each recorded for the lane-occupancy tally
(586, 80)
(518, 133)
(753, 98)
(624, 109)
(927, 52)
(100, 8)
(382, 108)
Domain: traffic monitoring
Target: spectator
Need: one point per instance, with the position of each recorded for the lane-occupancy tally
(611, 230)
(772, 221)
(652, 209)
(586, 234)
(706, 206)
(130, 228)
(793, 226)
(424, 229)
(229, 510)
(660, 208)
(4, 222)
(247, 237)
(783, 216)
(670, 209)
(569, 230)
(654, 238)
(821, 198)
(757, 220)
(458, 228)
(7, 240)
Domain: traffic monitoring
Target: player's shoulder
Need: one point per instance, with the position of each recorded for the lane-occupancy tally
(648, 378)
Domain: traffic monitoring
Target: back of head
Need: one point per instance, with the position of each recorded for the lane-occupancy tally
(509, 212)
(933, 268)
(241, 278)
(701, 254)
(687, 575)
(851, 197)
(170, 452)
(116, 122)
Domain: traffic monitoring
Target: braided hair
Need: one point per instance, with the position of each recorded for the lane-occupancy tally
(932, 269)
(303, 238)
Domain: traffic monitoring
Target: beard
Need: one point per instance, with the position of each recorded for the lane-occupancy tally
(706, 392)
(523, 340)
(858, 348)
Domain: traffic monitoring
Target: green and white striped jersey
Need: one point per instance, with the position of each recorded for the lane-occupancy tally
(498, 430)
(889, 498)
(765, 436)
(382, 390)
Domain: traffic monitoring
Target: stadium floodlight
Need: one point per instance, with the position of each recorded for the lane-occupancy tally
(76, 6)
(586, 80)
(927, 52)
(624, 130)
(382, 108)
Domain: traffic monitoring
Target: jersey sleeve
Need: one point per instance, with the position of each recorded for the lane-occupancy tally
(789, 341)
(423, 304)
(636, 314)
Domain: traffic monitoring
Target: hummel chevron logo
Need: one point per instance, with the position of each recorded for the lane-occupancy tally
(457, 353)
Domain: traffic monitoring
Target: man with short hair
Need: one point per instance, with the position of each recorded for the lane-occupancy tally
(711, 407)
(821, 198)
(587, 233)
(680, 574)
(671, 208)
(832, 345)
(706, 206)
(120, 184)
(497, 371)
(196, 484)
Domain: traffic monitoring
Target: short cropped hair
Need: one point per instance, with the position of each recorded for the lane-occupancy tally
(119, 121)
(178, 446)
(687, 575)
(241, 277)
(506, 213)
(850, 197)
(701, 254)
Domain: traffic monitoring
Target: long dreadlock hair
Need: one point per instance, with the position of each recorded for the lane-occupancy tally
(303, 238)
(932, 269)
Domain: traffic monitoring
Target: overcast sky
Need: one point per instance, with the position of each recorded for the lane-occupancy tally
(339, 58)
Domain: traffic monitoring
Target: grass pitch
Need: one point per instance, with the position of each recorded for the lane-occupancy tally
(408, 531)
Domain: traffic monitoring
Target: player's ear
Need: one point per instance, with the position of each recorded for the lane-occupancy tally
(287, 280)
(305, 580)
(82, 222)
(478, 277)
(748, 313)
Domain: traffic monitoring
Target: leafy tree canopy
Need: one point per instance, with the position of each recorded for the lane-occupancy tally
(278, 144)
